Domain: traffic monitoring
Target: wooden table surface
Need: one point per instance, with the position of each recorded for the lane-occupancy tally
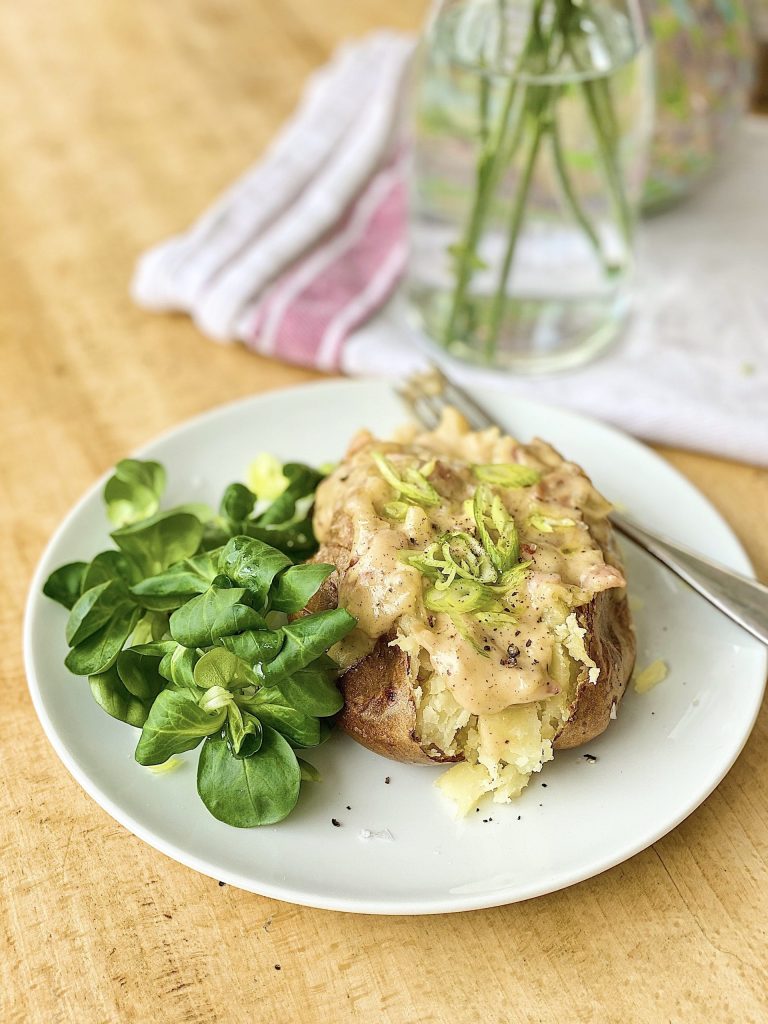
(120, 121)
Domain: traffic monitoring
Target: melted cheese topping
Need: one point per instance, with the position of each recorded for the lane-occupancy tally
(486, 668)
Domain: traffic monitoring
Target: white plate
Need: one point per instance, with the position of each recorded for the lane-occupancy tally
(662, 757)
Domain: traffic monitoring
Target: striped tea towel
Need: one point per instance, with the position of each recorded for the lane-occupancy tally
(311, 240)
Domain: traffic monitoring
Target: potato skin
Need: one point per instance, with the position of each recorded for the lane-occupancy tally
(380, 712)
(379, 709)
(610, 642)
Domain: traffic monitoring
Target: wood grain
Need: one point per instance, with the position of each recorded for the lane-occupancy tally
(120, 121)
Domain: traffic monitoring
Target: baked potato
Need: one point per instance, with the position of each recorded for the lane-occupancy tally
(493, 625)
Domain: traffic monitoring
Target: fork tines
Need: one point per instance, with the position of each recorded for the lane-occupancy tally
(428, 393)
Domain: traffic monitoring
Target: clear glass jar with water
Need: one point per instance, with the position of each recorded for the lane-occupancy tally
(531, 130)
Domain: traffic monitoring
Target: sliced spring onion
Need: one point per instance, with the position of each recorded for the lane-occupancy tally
(496, 529)
(415, 487)
(396, 510)
(548, 524)
(462, 597)
(507, 474)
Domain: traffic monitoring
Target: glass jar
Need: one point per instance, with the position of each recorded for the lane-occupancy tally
(704, 68)
(531, 129)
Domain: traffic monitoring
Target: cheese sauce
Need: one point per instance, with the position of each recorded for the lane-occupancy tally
(486, 666)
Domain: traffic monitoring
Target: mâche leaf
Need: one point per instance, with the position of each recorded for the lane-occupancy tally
(237, 503)
(305, 640)
(302, 730)
(254, 646)
(111, 694)
(220, 667)
(244, 733)
(175, 723)
(151, 626)
(161, 541)
(252, 564)
(174, 630)
(133, 492)
(295, 539)
(297, 585)
(93, 609)
(202, 621)
(178, 668)
(139, 669)
(64, 585)
(170, 589)
(257, 790)
(111, 565)
(313, 690)
(308, 771)
(266, 478)
(302, 481)
(96, 654)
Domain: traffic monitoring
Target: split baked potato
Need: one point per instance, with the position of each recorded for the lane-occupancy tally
(493, 625)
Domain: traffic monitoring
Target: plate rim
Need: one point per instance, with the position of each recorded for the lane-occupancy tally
(407, 906)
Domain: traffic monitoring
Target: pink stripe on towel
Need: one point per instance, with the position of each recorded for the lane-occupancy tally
(307, 314)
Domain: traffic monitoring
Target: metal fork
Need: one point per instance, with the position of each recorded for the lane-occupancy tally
(742, 599)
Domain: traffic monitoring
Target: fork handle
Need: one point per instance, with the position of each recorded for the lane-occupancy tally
(740, 598)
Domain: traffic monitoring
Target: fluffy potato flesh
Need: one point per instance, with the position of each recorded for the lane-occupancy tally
(492, 624)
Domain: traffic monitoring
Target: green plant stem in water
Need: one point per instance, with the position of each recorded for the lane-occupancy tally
(570, 196)
(513, 230)
(485, 180)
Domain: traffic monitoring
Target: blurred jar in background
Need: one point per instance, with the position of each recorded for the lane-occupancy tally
(704, 71)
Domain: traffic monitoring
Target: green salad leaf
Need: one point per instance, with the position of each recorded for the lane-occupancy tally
(111, 694)
(237, 503)
(305, 640)
(244, 732)
(212, 615)
(313, 689)
(297, 585)
(182, 632)
(175, 724)
(170, 589)
(302, 482)
(254, 646)
(178, 669)
(161, 541)
(139, 669)
(220, 667)
(252, 564)
(100, 650)
(134, 492)
(111, 565)
(258, 790)
(64, 585)
(308, 771)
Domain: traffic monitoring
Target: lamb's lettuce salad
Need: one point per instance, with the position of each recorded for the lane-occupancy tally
(183, 631)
